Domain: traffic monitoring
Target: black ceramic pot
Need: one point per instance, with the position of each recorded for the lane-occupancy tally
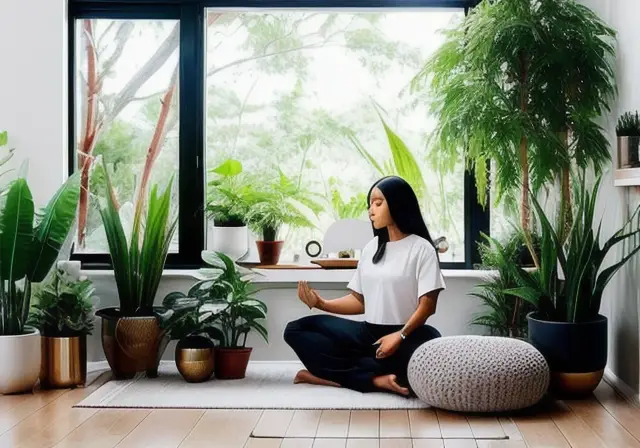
(576, 352)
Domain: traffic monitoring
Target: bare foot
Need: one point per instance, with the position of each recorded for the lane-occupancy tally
(389, 382)
(306, 377)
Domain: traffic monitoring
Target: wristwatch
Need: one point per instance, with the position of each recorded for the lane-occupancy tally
(403, 336)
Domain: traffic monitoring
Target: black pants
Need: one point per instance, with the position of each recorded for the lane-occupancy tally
(342, 350)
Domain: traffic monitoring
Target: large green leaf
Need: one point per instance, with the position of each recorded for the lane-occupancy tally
(118, 249)
(404, 161)
(4, 138)
(54, 226)
(16, 224)
(228, 168)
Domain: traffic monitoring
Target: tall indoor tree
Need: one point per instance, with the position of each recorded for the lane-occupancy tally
(521, 83)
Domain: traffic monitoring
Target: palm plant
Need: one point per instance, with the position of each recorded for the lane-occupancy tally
(569, 281)
(139, 260)
(64, 307)
(521, 83)
(27, 252)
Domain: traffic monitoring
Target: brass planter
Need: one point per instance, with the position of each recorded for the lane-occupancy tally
(132, 344)
(64, 362)
(196, 365)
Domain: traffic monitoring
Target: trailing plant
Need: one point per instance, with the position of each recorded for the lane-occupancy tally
(504, 314)
(64, 307)
(522, 83)
(138, 261)
(29, 245)
(569, 281)
(628, 125)
(281, 202)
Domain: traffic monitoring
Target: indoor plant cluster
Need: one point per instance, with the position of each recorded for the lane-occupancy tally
(628, 133)
(518, 87)
(221, 308)
(63, 312)
(239, 201)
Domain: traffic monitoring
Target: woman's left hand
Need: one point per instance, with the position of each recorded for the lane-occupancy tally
(388, 345)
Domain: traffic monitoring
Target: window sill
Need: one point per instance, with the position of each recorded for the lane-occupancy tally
(267, 276)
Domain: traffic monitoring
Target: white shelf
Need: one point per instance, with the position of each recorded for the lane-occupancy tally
(627, 177)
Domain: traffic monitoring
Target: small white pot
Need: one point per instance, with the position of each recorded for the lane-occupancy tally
(20, 360)
(231, 241)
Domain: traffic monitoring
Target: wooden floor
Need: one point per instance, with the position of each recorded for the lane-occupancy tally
(47, 419)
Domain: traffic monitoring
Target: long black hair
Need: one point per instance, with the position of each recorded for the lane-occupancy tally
(404, 209)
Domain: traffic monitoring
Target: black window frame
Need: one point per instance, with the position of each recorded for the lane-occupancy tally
(191, 194)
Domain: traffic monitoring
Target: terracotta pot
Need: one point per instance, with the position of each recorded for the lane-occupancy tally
(20, 360)
(269, 252)
(195, 362)
(231, 363)
(64, 362)
(132, 344)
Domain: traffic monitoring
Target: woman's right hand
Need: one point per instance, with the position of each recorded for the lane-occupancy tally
(308, 296)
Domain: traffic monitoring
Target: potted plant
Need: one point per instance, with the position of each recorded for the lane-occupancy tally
(628, 132)
(189, 319)
(229, 199)
(238, 312)
(63, 313)
(27, 252)
(131, 336)
(507, 86)
(504, 314)
(566, 289)
(280, 203)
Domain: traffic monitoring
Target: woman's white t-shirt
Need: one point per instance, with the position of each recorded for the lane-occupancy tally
(391, 288)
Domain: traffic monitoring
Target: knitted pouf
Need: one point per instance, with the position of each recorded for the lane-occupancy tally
(478, 374)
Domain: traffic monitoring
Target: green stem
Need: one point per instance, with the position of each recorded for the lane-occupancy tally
(26, 302)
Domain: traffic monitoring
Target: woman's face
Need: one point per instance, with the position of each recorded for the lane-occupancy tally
(379, 210)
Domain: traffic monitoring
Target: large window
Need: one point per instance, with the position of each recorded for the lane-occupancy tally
(318, 94)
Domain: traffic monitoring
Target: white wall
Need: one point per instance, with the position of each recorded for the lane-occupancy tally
(622, 298)
(33, 89)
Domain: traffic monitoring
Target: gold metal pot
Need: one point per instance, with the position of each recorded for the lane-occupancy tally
(132, 344)
(196, 365)
(64, 362)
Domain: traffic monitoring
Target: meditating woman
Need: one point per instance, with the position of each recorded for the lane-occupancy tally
(396, 287)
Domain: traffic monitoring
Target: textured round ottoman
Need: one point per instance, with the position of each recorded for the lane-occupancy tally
(478, 374)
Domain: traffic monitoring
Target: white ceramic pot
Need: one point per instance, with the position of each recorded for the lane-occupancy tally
(231, 241)
(20, 360)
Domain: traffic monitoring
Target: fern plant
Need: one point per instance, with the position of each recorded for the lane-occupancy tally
(279, 203)
(504, 313)
(522, 83)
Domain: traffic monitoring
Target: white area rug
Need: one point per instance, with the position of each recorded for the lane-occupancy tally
(267, 386)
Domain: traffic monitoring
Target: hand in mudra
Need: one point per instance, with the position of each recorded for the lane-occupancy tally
(307, 295)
